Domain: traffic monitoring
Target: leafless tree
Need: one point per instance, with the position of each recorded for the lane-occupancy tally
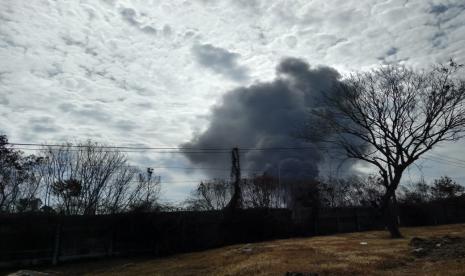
(87, 179)
(391, 116)
(258, 191)
(336, 192)
(118, 196)
(210, 195)
(416, 193)
(262, 191)
(144, 196)
(366, 191)
(351, 191)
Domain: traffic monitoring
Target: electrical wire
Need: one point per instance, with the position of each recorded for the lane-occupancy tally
(163, 149)
(212, 150)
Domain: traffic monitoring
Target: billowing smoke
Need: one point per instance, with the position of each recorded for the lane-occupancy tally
(266, 115)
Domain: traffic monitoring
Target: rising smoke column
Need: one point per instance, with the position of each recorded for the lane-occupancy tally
(265, 115)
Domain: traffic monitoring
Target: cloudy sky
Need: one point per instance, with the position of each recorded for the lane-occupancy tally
(149, 72)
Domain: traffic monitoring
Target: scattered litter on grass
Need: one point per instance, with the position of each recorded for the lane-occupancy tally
(246, 250)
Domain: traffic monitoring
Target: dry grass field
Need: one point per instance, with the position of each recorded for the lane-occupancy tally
(365, 253)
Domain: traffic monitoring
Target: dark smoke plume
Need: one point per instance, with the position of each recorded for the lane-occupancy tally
(265, 115)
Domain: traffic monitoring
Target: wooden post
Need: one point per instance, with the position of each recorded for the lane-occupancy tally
(56, 244)
(112, 238)
(357, 223)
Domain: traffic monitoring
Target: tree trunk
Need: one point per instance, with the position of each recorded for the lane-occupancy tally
(390, 214)
(390, 220)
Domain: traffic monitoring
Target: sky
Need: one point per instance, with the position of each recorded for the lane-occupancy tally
(149, 73)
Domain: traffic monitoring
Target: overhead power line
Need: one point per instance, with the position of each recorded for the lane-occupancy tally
(26, 146)
(133, 151)
(452, 159)
(118, 147)
(445, 162)
(210, 150)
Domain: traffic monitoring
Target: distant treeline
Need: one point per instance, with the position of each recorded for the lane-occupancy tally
(265, 191)
(88, 179)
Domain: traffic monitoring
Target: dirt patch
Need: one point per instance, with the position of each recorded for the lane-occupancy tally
(300, 274)
(440, 248)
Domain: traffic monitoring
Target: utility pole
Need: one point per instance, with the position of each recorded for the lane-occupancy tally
(236, 201)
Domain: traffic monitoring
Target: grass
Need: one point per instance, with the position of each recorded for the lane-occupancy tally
(341, 254)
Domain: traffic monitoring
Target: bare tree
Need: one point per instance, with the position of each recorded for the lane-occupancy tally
(210, 195)
(354, 190)
(119, 196)
(391, 116)
(336, 192)
(259, 191)
(262, 191)
(144, 196)
(416, 193)
(88, 179)
(367, 191)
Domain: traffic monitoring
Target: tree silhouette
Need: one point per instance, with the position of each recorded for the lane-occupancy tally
(446, 188)
(19, 179)
(391, 116)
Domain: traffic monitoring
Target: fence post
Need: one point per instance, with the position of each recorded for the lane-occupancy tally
(316, 221)
(357, 223)
(56, 244)
(112, 238)
(444, 213)
(337, 221)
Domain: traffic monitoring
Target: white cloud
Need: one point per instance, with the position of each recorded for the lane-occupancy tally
(124, 72)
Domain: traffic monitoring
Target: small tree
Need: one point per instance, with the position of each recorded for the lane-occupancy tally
(19, 178)
(67, 194)
(446, 188)
(419, 192)
(28, 205)
(391, 116)
(145, 195)
(210, 195)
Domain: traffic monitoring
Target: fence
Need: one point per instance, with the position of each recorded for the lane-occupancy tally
(41, 238)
